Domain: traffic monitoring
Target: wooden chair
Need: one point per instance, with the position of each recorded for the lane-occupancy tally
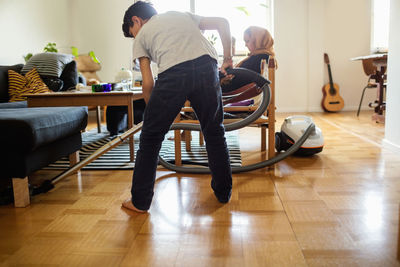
(267, 120)
(371, 71)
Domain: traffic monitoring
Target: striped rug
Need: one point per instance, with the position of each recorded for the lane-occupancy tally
(118, 157)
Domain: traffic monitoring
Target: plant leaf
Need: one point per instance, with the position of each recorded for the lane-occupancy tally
(74, 51)
(27, 57)
(93, 56)
(243, 9)
(50, 47)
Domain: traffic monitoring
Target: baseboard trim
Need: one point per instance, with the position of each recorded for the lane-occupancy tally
(391, 146)
(319, 109)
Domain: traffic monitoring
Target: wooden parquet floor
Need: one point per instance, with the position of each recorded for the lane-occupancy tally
(338, 208)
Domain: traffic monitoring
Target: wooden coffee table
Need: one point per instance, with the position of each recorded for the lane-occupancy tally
(114, 98)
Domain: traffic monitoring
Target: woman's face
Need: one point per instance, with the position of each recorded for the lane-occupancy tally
(249, 45)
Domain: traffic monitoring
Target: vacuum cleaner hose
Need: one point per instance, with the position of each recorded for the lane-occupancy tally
(259, 165)
(245, 74)
(266, 96)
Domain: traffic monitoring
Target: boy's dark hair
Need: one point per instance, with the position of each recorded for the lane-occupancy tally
(140, 9)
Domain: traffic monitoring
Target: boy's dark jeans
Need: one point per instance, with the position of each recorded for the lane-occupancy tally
(196, 80)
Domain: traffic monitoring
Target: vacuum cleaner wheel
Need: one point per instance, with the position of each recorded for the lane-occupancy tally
(284, 142)
(278, 141)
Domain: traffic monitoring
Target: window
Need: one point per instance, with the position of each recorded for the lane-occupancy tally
(240, 14)
(380, 25)
(178, 5)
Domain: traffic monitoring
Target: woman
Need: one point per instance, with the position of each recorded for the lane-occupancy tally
(260, 44)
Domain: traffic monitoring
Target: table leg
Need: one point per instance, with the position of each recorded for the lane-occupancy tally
(130, 125)
(98, 115)
(378, 112)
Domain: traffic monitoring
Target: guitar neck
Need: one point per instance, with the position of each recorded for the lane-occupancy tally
(330, 75)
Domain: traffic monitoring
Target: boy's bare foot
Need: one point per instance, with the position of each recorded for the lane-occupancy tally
(128, 205)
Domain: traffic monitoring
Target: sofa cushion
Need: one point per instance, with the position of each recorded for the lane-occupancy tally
(69, 76)
(28, 128)
(54, 84)
(48, 64)
(14, 164)
(18, 85)
(4, 80)
(19, 104)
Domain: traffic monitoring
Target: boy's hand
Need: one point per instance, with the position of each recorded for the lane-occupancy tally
(147, 76)
(226, 65)
(227, 79)
(222, 26)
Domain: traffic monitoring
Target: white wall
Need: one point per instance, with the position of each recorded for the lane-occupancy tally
(392, 126)
(316, 44)
(97, 26)
(26, 26)
(304, 30)
(347, 35)
(291, 48)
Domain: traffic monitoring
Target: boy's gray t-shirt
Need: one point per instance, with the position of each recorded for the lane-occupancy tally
(172, 38)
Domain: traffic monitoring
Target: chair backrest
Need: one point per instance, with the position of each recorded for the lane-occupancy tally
(250, 89)
(243, 93)
(369, 67)
(272, 66)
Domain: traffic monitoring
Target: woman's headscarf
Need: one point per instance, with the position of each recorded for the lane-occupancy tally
(262, 41)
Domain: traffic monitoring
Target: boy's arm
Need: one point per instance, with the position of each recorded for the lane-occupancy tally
(222, 26)
(147, 78)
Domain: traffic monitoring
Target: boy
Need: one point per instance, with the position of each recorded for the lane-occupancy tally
(187, 65)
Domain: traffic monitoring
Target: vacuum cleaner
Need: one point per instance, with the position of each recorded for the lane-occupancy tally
(307, 130)
(292, 129)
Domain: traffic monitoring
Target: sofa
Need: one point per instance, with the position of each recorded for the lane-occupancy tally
(32, 138)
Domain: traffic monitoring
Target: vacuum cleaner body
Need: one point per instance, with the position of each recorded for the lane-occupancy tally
(292, 129)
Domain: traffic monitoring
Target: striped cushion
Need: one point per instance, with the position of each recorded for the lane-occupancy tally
(18, 85)
(48, 64)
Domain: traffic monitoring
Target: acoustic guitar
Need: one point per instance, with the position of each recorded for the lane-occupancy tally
(331, 101)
